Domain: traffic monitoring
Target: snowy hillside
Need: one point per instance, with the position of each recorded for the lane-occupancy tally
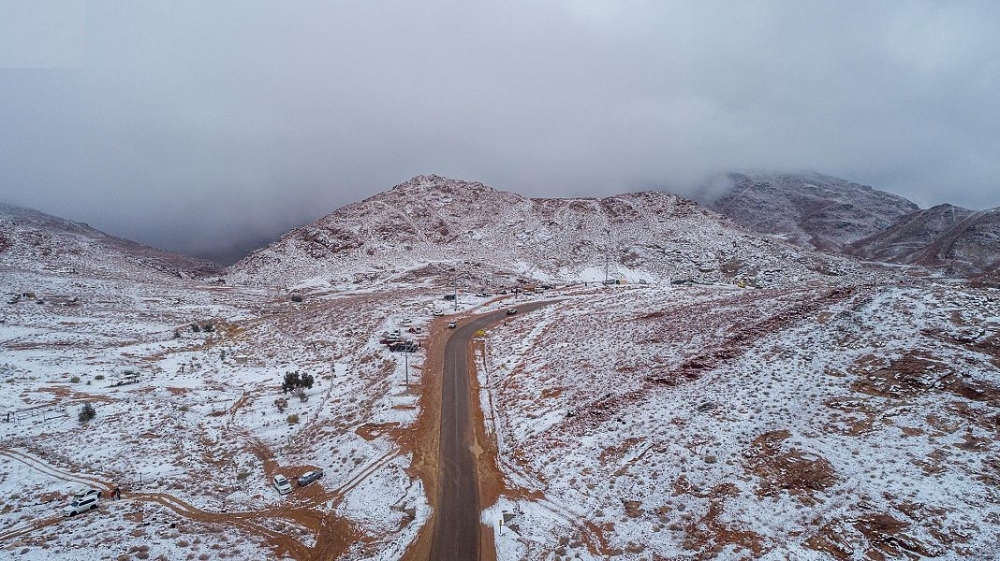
(491, 237)
(809, 209)
(959, 241)
(37, 241)
(852, 422)
(831, 413)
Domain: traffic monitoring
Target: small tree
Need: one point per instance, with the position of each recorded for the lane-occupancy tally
(195, 327)
(87, 413)
(292, 381)
(307, 381)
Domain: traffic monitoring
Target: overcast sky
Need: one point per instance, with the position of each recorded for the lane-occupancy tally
(195, 125)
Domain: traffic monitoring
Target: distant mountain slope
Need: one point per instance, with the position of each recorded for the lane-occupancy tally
(489, 235)
(32, 240)
(957, 240)
(810, 209)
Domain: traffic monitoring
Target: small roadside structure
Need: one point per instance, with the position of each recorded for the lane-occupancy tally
(128, 377)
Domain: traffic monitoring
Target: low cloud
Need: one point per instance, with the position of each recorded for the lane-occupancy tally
(199, 127)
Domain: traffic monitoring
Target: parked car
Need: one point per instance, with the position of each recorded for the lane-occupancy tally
(404, 346)
(84, 493)
(437, 313)
(282, 485)
(309, 476)
(80, 505)
(452, 325)
(511, 311)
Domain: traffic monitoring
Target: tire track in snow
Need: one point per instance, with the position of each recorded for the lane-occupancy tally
(175, 505)
(40, 465)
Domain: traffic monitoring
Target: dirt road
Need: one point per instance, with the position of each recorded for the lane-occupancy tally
(457, 526)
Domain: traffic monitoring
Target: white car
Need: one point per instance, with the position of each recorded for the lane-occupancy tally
(80, 505)
(84, 493)
(437, 313)
(282, 485)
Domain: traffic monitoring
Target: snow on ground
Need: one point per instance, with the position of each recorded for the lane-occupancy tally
(844, 422)
(191, 421)
(633, 422)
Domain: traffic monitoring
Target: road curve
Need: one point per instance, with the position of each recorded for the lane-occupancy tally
(456, 525)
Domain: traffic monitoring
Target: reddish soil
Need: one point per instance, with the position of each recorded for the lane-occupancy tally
(786, 470)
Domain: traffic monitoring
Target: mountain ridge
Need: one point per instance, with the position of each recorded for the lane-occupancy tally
(36, 240)
(430, 219)
(831, 214)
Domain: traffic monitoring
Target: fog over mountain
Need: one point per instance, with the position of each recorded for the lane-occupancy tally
(204, 128)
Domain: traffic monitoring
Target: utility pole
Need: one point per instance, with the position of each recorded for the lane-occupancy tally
(607, 244)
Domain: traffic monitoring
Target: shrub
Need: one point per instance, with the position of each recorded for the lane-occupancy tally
(294, 380)
(301, 394)
(293, 419)
(75, 379)
(87, 413)
(281, 403)
(209, 327)
(99, 377)
(296, 297)
(195, 327)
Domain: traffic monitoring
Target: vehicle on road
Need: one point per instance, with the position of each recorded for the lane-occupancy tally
(282, 485)
(80, 505)
(452, 325)
(309, 476)
(511, 311)
(84, 493)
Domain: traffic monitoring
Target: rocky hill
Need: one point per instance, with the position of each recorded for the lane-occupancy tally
(956, 240)
(492, 236)
(830, 214)
(34, 241)
(809, 209)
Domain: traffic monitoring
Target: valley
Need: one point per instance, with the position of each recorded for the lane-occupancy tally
(681, 389)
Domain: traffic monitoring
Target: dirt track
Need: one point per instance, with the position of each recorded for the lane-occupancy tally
(334, 534)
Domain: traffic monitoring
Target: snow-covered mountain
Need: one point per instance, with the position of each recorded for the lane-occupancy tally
(957, 240)
(488, 234)
(830, 214)
(36, 241)
(809, 209)
(649, 421)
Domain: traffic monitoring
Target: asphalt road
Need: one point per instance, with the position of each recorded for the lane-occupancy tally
(456, 528)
